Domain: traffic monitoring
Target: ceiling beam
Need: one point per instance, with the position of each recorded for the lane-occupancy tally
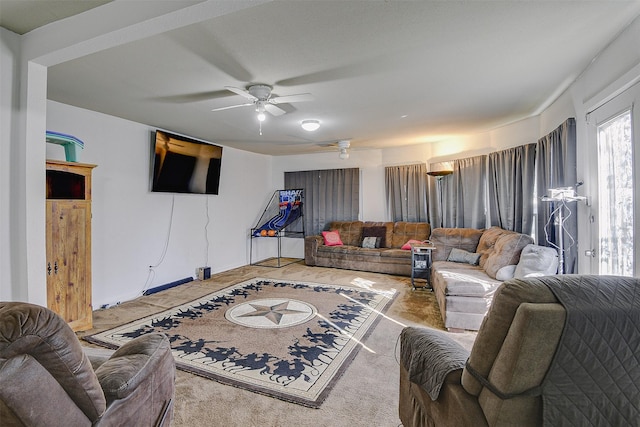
(115, 24)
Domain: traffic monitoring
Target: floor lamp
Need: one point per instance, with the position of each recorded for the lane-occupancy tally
(561, 197)
(440, 170)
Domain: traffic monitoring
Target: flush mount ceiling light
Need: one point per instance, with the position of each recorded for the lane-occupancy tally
(310, 125)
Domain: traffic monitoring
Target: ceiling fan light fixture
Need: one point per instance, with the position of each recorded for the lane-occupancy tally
(344, 145)
(260, 109)
(310, 125)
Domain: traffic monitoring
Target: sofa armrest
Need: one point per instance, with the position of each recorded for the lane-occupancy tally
(431, 358)
(97, 356)
(132, 364)
(311, 244)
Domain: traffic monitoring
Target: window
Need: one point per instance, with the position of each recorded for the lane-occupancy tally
(615, 194)
(613, 217)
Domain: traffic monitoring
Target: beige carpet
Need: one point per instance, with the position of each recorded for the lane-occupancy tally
(366, 394)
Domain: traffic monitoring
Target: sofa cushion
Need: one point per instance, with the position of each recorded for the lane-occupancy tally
(396, 253)
(446, 239)
(506, 252)
(388, 227)
(506, 272)
(350, 251)
(370, 242)
(462, 279)
(341, 249)
(350, 231)
(403, 231)
(536, 261)
(460, 255)
(332, 238)
(488, 241)
(375, 231)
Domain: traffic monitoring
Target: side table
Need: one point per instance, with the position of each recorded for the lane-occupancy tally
(421, 264)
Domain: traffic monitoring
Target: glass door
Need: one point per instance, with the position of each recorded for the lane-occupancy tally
(614, 212)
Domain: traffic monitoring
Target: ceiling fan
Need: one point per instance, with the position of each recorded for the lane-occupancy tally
(342, 145)
(260, 96)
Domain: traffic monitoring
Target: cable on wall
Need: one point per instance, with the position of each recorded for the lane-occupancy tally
(152, 268)
(206, 234)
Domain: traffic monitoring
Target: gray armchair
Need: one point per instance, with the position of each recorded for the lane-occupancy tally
(555, 350)
(47, 380)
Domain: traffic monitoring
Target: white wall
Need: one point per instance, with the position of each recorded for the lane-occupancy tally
(9, 94)
(131, 226)
(512, 135)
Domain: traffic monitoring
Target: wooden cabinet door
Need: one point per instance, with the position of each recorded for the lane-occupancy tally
(68, 261)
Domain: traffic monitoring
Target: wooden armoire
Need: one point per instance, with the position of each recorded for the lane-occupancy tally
(69, 242)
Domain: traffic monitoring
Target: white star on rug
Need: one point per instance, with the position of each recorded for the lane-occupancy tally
(274, 312)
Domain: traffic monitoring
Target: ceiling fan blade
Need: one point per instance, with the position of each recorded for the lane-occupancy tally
(193, 97)
(301, 97)
(276, 111)
(241, 92)
(232, 106)
(214, 53)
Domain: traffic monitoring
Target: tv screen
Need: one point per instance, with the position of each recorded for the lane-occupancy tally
(184, 165)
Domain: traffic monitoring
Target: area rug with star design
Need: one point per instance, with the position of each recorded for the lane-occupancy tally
(285, 339)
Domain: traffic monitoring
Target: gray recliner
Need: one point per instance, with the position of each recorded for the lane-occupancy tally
(47, 380)
(553, 350)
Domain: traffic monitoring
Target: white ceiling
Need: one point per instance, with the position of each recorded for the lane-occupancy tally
(383, 74)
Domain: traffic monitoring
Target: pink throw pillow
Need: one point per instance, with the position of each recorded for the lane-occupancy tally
(332, 238)
(407, 246)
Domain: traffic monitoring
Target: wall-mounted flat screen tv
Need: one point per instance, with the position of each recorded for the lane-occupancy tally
(185, 165)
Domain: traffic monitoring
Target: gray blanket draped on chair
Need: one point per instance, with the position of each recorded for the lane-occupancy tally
(588, 383)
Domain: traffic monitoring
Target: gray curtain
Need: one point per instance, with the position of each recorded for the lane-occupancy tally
(510, 186)
(556, 167)
(329, 195)
(406, 191)
(459, 198)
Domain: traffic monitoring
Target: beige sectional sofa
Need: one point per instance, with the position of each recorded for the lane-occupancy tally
(468, 264)
(389, 258)
(465, 290)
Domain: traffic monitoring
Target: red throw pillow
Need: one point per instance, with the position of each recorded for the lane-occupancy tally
(407, 246)
(332, 238)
